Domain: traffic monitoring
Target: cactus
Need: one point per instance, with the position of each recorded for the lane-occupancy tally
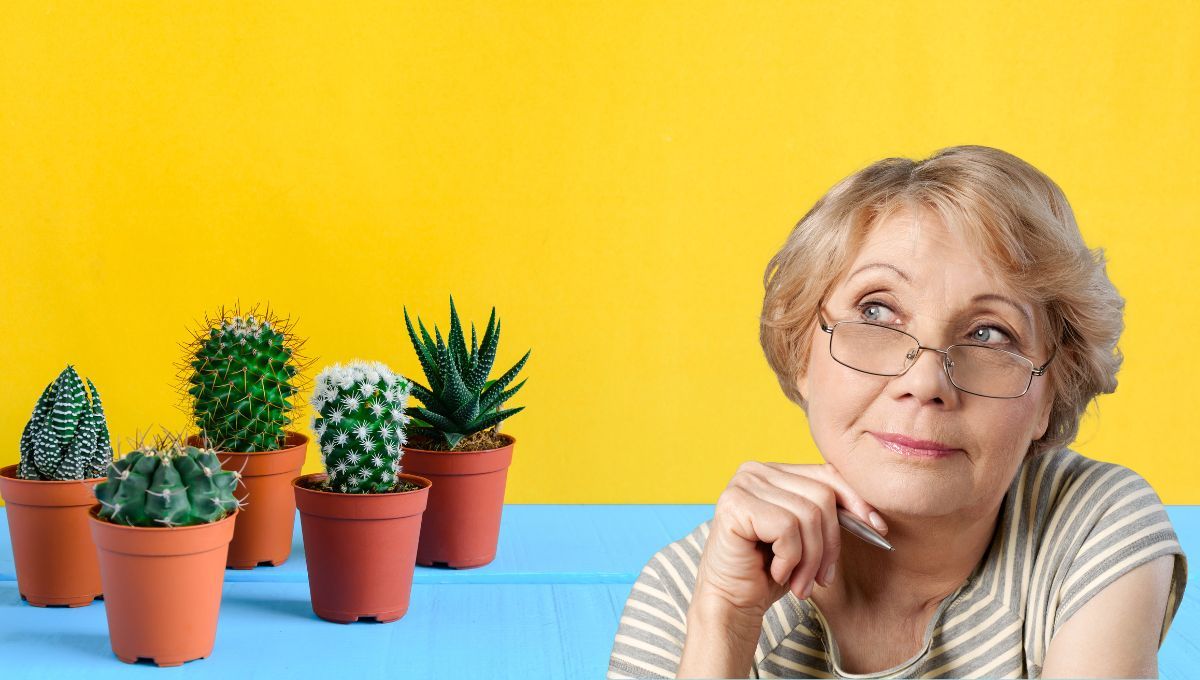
(67, 436)
(359, 420)
(241, 373)
(458, 401)
(167, 484)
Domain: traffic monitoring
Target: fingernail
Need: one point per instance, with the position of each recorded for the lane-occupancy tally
(807, 591)
(829, 572)
(877, 521)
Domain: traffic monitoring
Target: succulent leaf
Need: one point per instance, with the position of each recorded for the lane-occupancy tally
(424, 354)
(494, 418)
(457, 344)
(499, 384)
(495, 399)
(483, 364)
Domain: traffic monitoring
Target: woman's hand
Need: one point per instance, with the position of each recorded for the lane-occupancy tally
(775, 529)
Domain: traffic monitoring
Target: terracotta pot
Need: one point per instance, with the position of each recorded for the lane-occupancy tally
(162, 587)
(361, 549)
(264, 529)
(52, 547)
(462, 522)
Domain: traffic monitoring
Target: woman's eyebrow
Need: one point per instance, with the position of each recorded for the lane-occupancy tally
(984, 297)
(885, 265)
(1001, 298)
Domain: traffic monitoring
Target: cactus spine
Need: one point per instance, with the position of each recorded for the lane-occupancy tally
(242, 372)
(167, 485)
(359, 420)
(67, 436)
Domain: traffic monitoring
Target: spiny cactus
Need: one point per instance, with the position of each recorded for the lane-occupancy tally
(459, 400)
(167, 484)
(67, 436)
(241, 373)
(359, 420)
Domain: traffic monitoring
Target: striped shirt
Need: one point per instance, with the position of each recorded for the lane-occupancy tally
(1069, 526)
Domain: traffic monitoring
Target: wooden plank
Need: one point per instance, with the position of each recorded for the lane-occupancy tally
(269, 630)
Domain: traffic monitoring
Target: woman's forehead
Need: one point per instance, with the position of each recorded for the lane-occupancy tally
(925, 256)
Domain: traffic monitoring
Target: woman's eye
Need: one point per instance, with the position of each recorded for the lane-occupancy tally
(985, 334)
(875, 312)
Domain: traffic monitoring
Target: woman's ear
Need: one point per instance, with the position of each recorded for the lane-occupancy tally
(1044, 416)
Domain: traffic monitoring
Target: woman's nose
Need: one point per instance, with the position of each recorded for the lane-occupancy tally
(926, 379)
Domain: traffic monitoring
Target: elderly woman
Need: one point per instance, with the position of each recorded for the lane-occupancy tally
(943, 327)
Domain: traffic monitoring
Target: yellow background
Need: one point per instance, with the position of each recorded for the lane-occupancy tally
(612, 176)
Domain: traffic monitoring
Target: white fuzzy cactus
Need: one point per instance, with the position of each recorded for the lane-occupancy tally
(360, 425)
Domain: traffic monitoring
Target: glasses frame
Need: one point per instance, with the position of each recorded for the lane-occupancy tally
(1034, 369)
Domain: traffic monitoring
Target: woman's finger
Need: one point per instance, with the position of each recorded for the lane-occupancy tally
(799, 558)
(825, 498)
(847, 497)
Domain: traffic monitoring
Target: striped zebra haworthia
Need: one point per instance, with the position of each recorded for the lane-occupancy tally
(359, 421)
(67, 436)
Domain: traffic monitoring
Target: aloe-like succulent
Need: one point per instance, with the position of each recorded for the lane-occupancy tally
(167, 484)
(460, 400)
(359, 420)
(67, 436)
(240, 376)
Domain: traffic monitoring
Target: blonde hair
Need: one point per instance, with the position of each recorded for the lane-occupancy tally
(1015, 217)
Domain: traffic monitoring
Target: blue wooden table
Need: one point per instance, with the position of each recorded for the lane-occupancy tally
(547, 607)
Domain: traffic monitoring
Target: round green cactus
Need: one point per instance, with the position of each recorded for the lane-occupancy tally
(67, 436)
(167, 485)
(242, 373)
(359, 420)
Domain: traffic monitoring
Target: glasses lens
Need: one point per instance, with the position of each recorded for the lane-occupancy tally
(871, 348)
(990, 372)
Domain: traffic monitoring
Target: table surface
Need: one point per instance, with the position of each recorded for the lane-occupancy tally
(546, 607)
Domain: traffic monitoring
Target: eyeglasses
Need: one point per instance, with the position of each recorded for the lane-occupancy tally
(975, 369)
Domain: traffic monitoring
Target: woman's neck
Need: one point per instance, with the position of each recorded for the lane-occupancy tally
(931, 560)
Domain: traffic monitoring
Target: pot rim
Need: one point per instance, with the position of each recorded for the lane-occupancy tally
(92, 516)
(288, 436)
(511, 441)
(296, 483)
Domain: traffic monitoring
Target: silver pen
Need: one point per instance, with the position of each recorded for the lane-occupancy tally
(864, 531)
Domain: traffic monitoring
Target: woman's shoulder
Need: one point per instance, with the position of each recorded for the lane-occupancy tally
(1058, 486)
(672, 570)
(652, 628)
(1079, 524)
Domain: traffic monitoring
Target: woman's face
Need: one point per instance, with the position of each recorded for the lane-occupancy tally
(847, 408)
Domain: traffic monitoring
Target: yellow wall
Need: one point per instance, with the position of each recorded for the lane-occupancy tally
(612, 176)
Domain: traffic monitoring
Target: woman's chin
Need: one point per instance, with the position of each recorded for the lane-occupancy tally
(915, 495)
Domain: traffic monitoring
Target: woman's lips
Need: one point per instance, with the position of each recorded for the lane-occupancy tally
(916, 448)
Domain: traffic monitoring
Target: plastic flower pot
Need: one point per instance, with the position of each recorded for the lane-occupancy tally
(462, 522)
(268, 516)
(52, 546)
(361, 548)
(162, 587)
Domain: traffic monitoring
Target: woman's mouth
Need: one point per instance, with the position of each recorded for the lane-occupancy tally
(914, 448)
